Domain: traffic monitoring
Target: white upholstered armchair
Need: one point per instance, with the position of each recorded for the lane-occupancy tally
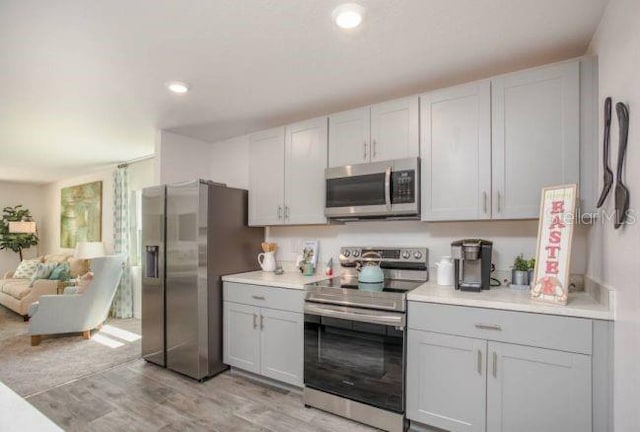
(57, 314)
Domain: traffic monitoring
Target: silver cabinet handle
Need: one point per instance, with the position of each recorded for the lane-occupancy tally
(279, 212)
(365, 150)
(488, 326)
(484, 202)
(495, 364)
(498, 201)
(374, 149)
(255, 321)
(261, 322)
(479, 362)
(286, 212)
(255, 297)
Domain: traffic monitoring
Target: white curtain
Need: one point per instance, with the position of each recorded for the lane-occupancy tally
(122, 306)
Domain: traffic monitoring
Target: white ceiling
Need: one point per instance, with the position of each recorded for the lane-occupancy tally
(82, 81)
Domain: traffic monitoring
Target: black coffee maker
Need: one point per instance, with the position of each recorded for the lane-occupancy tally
(472, 264)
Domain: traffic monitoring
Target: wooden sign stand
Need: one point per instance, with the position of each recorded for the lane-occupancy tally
(555, 233)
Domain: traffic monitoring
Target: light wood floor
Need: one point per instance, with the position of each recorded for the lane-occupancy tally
(141, 397)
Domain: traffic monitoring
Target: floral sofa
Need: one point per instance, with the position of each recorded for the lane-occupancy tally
(19, 294)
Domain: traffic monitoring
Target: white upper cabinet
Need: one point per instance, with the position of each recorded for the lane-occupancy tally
(266, 177)
(349, 137)
(305, 162)
(394, 129)
(456, 153)
(381, 132)
(535, 136)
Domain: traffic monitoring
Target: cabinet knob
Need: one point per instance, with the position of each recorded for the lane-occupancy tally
(279, 212)
(365, 150)
(255, 321)
(479, 362)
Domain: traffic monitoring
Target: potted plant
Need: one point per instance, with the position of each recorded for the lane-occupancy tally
(532, 267)
(520, 272)
(16, 242)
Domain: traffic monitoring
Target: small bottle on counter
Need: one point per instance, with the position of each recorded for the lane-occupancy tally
(329, 269)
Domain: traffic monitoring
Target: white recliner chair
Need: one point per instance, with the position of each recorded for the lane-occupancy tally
(56, 314)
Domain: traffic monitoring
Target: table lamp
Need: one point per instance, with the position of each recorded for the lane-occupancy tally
(88, 251)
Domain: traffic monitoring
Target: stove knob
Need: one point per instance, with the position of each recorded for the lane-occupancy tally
(406, 254)
(356, 253)
(346, 253)
(417, 255)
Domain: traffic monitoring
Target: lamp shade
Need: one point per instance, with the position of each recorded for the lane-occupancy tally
(22, 227)
(89, 250)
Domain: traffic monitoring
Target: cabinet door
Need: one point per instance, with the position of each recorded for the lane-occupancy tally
(266, 178)
(242, 336)
(282, 345)
(394, 129)
(456, 153)
(305, 162)
(535, 136)
(535, 389)
(349, 137)
(446, 381)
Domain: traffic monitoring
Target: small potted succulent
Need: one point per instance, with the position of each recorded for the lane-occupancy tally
(532, 267)
(520, 272)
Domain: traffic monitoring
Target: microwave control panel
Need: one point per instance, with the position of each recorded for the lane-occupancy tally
(403, 187)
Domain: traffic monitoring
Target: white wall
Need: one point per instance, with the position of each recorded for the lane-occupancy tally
(510, 238)
(51, 230)
(179, 158)
(230, 162)
(614, 257)
(31, 196)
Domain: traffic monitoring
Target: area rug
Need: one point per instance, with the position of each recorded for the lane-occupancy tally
(57, 360)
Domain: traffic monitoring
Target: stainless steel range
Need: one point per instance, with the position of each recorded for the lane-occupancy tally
(354, 336)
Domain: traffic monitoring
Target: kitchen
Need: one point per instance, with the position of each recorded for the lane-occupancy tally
(396, 184)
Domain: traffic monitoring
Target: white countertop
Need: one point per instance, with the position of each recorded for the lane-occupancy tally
(580, 304)
(290, 279)
(18, 415)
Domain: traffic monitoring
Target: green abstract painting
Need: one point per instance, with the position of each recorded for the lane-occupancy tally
(80, 214)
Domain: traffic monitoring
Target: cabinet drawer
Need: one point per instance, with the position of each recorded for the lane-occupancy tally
(546, 331)
(271, 297)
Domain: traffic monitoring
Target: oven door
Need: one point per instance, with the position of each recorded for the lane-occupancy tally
(355, 353)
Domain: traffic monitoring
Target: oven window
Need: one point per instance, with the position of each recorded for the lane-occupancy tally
(362, 190)
(359, 361)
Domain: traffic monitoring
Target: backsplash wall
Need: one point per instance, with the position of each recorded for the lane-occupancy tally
(510, 238)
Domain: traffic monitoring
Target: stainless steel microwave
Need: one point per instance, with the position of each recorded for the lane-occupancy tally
(378, 190)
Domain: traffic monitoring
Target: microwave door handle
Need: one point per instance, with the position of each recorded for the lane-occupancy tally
(387, 187)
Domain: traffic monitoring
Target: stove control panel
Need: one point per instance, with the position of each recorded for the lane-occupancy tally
(389, 255)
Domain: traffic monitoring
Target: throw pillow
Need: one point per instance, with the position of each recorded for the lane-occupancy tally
(26, 269)
(60, 272)
(43, 271)
(84, 281)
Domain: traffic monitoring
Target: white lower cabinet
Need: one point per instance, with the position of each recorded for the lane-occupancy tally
(495, 382)
(281, 347)
(261, 336)
(446, 381)
(242, 336)
(534, 389)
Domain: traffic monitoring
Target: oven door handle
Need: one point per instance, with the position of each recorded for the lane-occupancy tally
(387, 187)
(396, 320)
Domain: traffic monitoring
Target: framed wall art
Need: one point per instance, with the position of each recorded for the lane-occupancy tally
(80, 214)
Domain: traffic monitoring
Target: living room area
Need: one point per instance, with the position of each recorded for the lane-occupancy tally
(69, 291)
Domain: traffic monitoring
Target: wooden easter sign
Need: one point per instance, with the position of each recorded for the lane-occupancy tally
(555, 232)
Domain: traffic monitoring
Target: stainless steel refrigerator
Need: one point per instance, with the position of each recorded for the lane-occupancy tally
(192, 234)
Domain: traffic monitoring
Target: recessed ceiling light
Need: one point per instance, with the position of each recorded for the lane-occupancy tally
(348, 15)
(177, 87)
